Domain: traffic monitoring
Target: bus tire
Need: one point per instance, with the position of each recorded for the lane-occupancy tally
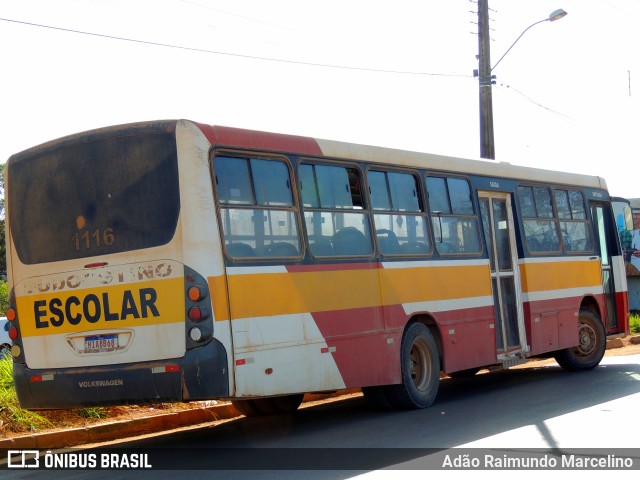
(376, 398)
(247, 408)
(257, 407)
(420, 370)
(592, 343)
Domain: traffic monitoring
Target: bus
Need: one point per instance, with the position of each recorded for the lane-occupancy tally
(178, 261)
(627, 213)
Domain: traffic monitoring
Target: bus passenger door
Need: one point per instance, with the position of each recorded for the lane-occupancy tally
(497, 222)
(606, 242)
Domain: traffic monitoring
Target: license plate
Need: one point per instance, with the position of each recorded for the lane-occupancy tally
(100, 344)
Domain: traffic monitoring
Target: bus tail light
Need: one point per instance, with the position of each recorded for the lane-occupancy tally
(195, 334)
(194, 293)
(195, 314)
(198, 322)
(13, 332)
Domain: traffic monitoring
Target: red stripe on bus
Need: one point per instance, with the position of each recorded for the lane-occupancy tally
(622, 302)
(553, 324)
(467, 334)
(241, 138)
(332, 267)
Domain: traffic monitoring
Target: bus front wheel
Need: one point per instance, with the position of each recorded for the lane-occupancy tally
(592, 342)
(420, 370)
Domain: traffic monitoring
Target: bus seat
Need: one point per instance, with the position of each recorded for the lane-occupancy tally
(351, 241)
(413, 248)
(321, 246)
(447, 247)
(281, 249)
(388, 242)
(240, 250)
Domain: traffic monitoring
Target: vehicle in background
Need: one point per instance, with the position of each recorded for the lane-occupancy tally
(5, 341)
(627, 213)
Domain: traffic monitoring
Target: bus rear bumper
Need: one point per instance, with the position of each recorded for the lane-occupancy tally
(201, 374)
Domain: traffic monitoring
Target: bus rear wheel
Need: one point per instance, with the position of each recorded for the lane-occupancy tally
(376, 397)
(257, 407)
(592, 343)
(420, 370)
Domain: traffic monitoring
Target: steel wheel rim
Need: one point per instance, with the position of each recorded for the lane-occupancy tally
(420, 365)
(587, 340)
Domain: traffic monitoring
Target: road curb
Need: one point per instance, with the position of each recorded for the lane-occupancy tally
(121, 429)
(105, 432)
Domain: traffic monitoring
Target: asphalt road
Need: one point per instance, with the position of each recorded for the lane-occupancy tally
(534, 408)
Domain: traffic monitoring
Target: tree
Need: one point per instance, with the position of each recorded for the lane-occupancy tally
(2, 193)
(3, 252)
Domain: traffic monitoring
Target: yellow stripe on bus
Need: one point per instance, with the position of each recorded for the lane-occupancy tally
(426, 284)
(559, 275)
(122, 306)
(264, 294)
(259, 295)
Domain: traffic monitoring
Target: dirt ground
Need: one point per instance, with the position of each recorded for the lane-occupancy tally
(64, 419)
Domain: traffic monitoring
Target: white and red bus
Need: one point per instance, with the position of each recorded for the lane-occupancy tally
(176, 261)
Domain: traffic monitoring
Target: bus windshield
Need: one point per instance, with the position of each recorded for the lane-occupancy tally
(102, 196)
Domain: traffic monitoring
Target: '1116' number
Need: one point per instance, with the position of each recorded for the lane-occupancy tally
(93, 239)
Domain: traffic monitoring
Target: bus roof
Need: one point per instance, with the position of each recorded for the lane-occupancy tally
(234, 137)
(231, 137)
(634, 202)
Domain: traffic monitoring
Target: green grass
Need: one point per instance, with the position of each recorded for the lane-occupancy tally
(634, 323)
(10, 411)
(93, 412)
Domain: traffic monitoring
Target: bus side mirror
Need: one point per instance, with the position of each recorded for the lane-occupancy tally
(628, 218)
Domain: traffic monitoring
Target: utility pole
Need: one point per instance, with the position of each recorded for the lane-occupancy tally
(487, 145)
(485, 79)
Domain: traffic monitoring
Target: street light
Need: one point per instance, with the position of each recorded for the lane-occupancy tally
(555, 15)
(487, 146)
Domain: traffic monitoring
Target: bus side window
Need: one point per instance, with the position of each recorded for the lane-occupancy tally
(256, 207)
(574, 225)
(540, 224)
(400, 220)
(336, 221)
(455, 223)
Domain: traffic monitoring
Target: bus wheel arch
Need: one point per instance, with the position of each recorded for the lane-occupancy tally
(592, 343)
(429, 322)
(590, 303)
(420, 369)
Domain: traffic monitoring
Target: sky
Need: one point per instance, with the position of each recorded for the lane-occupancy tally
(395, 74)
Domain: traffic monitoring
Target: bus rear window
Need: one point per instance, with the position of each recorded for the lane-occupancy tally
(107, 195)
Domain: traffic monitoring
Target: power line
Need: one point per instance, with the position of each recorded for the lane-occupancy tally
(236, 55)
(566, 118)
(534, 102)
